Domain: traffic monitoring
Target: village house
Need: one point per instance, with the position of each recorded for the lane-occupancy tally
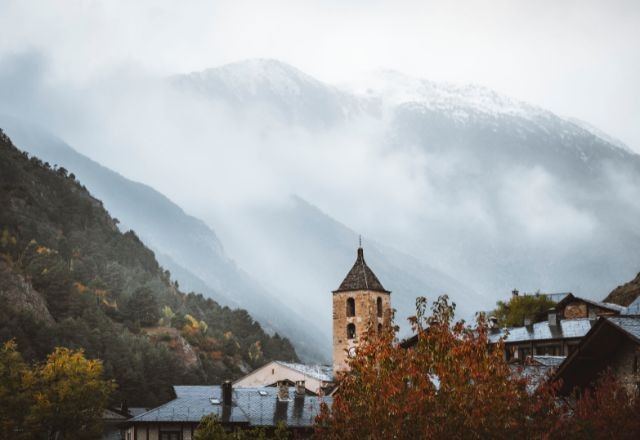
(318, 379)
(235, 408)
(559, 334)
(613, 343)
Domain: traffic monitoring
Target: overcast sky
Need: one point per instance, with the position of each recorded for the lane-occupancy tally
(578, 58)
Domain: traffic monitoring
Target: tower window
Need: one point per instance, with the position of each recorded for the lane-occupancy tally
(379, 305)
(351, 331)
(351, 307)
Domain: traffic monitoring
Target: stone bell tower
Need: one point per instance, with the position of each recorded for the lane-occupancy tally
(360, 304)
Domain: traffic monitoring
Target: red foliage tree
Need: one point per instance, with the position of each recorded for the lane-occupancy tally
(607, 411)
(449, 385)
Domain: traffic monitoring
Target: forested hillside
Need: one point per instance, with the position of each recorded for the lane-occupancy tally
(69, 277)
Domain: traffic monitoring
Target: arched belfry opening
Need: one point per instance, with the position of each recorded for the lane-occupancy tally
(351, 331)
(351, 307)
(360, 302)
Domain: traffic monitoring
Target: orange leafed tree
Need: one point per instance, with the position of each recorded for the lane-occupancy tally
(448, 385)
(608, 410)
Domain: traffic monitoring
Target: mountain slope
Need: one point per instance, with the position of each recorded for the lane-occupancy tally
(626, 293)
(322, 250)
(103, 291)
(184, 245)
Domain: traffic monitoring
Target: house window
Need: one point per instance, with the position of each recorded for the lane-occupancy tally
(170, 435)
(351, 307)
(351, 331)
(523, 353)
(548, 350)
(379, 304)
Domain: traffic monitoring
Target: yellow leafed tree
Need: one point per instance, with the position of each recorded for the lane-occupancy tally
(69, 396)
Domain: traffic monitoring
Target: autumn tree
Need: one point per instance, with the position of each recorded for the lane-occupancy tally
(63, 398)
(607, 410)
(69, 396)
(14, 400)
(450, 384)
(512, 313)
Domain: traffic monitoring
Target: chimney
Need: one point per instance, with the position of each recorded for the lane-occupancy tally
(528, 323)
(554, 320)
(124, 407)
(300, 388)
(283, 391)
(227, 393)
(515, 292)
(493, 324)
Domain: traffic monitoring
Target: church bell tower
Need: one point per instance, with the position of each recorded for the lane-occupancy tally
(360, 304)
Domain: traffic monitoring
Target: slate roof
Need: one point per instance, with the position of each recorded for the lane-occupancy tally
(252, 406)
(548, 361)
(634, 307)
(361, 277)
(605, 305)
(630, 324)
(323, 373)
(568, 328)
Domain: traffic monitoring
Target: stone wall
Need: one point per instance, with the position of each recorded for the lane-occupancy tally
(625, 365)
(365, 318)
(575, 310)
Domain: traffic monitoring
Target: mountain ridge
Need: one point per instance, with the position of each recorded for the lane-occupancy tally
(70, 278)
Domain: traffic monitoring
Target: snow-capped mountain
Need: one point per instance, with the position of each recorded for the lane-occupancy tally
(392, 88)
(514, 195)
(282, 91)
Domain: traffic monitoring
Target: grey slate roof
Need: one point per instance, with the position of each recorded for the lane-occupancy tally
(321, 372)
(252, 406)
(549, 361)
(605, 305)
(633, 308)
(568, 328)
(630, 324)
(361, 277)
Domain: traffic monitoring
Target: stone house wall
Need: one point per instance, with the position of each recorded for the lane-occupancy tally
(625, 365)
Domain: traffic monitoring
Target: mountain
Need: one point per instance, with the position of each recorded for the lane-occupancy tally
(273, 89)
(69, 277)
(504, 193)
(461, 189)
(526, 168)
(183, 244)
(626, 293)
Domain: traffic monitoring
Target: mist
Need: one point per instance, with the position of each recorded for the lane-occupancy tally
(493, 200)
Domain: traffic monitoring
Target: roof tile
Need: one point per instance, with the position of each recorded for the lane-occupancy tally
(361, 277)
